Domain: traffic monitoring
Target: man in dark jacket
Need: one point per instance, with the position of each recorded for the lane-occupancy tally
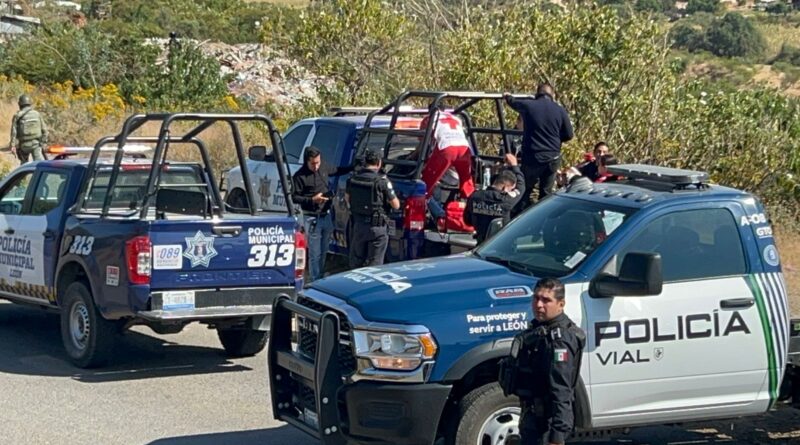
(545, 126)
(370, 194)
(311, 190)
(497, 200)
(543, 368)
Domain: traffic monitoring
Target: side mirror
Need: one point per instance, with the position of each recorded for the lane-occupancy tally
(494, 227)
(640, 275)
(257, 153)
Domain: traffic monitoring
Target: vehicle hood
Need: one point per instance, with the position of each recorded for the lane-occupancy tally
(400, 292)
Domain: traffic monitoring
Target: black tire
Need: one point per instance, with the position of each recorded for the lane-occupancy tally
(242, 342)
(483, 407)
(237, 201)
(88, 337)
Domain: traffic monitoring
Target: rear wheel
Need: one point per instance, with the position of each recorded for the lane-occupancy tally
(88, 337)
(487, 417)
(242, 342)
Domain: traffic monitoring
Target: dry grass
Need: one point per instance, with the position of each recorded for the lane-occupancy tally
(292, 3)
(789, 246)
(776, 35)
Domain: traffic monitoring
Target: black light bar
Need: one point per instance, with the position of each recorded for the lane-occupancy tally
(655, 173)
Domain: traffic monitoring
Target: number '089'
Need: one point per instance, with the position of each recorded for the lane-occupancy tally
(272, 255)
(170, 253)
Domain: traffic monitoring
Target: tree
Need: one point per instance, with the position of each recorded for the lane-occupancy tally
(648, 5)
(734, 36)
(687, 37)
(779, 8)
(694, 6)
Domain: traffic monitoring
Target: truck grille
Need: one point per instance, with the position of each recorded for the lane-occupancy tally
(308, 331)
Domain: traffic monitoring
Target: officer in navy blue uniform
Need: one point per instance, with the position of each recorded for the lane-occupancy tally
(370, 195)
(497, 201)
(543, 369)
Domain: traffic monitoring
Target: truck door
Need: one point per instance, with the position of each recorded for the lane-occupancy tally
(698, 345)
(22, 253)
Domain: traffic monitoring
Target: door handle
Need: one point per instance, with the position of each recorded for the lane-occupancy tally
(49, 234)
(9, 231)
(737, 303)
(227, 230)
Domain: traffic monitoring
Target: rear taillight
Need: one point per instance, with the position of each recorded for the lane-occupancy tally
(299, 254)
(414, 214)
(137, 254)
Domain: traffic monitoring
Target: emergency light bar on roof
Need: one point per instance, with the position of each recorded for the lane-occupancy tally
(675, 176)
(61, 151)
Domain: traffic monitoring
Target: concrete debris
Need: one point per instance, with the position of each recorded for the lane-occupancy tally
(260, 74)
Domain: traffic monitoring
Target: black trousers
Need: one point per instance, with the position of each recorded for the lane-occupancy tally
(541, 176)
(533, 425)
(368, 244)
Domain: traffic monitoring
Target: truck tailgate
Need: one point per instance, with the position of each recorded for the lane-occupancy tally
(236, 252)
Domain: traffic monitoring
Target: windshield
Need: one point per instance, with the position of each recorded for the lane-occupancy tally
(402, 147)
(553, 237)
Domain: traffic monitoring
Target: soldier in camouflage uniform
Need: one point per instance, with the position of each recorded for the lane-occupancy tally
(28, 132)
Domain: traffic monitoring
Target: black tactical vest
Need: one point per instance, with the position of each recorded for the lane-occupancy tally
(365, 198)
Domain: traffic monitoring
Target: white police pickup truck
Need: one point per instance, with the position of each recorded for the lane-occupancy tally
(676, 282)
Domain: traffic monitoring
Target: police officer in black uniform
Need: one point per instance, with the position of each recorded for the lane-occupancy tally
(543, 369)
(369, 194)
(496, 201)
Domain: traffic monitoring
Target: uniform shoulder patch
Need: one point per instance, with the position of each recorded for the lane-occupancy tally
(560, 355)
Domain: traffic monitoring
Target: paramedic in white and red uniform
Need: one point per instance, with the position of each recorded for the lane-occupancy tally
(451, 148)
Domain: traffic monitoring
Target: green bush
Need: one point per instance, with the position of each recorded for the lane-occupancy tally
(694, 6)
(688, 37)
(789, 54)
(734, 36)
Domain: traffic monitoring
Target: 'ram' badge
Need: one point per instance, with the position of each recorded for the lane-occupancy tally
(200, 249)
(510, 292)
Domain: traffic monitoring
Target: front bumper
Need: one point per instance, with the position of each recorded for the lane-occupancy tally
(317, 396)
(209, 304)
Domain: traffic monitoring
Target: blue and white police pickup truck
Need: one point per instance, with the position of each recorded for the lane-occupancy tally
(336, 137)
(677, 283)
(113, 242)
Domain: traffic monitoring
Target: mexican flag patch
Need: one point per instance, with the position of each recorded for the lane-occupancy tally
(560, 355)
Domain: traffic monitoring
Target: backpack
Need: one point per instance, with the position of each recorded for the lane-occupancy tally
(29, 126)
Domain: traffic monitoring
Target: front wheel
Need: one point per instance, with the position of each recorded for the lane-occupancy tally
(242, 342)
(487, 417)
(88, 337)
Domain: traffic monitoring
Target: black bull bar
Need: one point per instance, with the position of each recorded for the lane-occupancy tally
(288, 369)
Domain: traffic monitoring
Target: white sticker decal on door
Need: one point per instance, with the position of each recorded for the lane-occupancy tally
(169, 256)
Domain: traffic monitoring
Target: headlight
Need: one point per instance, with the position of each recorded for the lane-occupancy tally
(395, 352)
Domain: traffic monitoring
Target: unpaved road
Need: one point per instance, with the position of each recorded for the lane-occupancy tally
(180, 390)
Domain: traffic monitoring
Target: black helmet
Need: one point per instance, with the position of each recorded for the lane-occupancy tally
(25, 101)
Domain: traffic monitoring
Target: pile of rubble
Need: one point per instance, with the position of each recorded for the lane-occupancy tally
(260, 74)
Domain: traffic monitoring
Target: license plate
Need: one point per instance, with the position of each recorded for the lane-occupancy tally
(177, 300)
(311, 418)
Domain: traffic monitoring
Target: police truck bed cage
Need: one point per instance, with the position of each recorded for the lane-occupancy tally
(461, 101)
(166, 136)
(678, 178)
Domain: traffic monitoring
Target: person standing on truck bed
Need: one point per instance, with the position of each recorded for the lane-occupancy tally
(497, 200)
(28, 132)
(451, 148)
(369, 194)
(543, 368)
(311, 190)
(545, 126)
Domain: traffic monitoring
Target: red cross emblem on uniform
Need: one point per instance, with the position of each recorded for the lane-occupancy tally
(450, 120)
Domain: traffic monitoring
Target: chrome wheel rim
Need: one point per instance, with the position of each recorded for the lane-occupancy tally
(501, 424)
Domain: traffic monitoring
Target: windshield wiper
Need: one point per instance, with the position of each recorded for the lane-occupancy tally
(511, 264)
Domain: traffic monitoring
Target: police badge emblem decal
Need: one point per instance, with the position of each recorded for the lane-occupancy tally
(658, 353)
(200, 249)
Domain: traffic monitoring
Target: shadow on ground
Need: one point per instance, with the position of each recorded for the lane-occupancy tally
(30, 339)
